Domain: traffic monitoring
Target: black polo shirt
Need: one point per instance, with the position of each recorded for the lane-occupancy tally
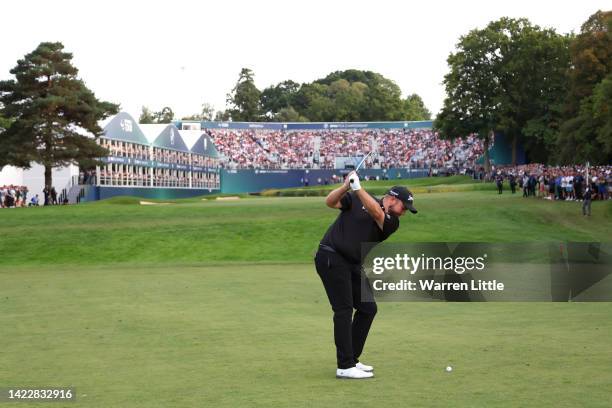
(354, 226)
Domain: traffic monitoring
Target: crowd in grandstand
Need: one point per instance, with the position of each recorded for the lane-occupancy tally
(274, 149)
(142, 152)
(425, 149)
(166, 174)
(555, 182)
(124, 175)
(170, 156)
(338, 143)
(137, 176)
(126, 149)
(240, 149)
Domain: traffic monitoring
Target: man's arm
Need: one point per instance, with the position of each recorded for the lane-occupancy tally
(333, 198)
(372, 206)
(368, 202)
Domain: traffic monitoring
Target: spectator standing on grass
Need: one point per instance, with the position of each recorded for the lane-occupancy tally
(9, 201)
(13, 196)
(512, 181)
(499, 180)
(578, 180)
(532, 185)
(570, 187)
(551, 187)
(558, 187)
(53, 196)
(603, 188)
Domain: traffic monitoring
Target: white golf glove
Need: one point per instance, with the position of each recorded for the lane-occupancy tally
(354, 181)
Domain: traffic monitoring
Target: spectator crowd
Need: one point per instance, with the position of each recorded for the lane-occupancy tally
(282, 149)
(12, 196)
(553, 182)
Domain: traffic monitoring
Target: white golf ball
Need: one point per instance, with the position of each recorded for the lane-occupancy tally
(449, 369)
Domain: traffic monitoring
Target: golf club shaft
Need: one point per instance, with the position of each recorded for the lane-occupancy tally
(360, 164)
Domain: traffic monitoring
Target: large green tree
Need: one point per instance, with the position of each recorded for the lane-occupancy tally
(591, 58)
(312, 101)
(348, 100)
(415, 109)
(277, 97)
(473, 89)
(289, 115)
(602, 113)
(585, 133)
(51, 108)
(244, 99)
(533, 77)
(378, 98)
(507, 77)
(350, 95)
(5, 123)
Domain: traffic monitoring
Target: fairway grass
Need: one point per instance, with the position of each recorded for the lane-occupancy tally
(285, 229)
(217, 304)
(261, 336)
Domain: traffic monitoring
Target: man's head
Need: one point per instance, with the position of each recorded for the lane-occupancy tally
(397, 200)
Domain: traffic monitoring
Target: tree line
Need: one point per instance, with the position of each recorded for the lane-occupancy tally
(342, 96)
(550, 92)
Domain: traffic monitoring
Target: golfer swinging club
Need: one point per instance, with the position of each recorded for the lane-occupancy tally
(363, 218)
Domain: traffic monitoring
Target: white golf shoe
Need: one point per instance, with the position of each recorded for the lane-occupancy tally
(364, 367)
(352, 373)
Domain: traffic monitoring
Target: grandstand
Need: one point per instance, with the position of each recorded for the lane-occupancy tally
(334, 146)
(189, 158)
(150, 158)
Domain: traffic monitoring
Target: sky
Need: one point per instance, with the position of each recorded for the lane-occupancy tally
(185, 53)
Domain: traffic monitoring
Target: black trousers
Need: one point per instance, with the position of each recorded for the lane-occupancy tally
(342, 282)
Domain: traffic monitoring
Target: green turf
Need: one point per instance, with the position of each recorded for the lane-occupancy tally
(217, 304)
(271, 229)
(380, 187)
(261, 336)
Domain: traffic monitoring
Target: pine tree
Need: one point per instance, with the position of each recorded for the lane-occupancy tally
(52, 111)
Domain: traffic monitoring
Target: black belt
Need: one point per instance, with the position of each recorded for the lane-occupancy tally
(327, 248)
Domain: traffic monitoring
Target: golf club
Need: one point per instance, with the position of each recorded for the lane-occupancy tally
(361, 163)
